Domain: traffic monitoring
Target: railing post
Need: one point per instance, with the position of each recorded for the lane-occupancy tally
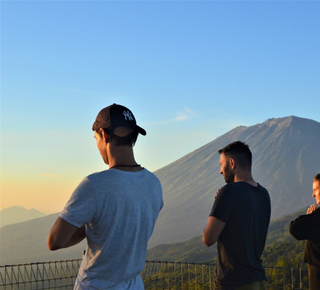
(195, 276)
(175, 276)
(181, 276)
(292, 279)
(188, 272)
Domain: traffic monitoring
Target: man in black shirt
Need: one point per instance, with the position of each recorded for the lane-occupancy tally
(239, 222)
(307, 227)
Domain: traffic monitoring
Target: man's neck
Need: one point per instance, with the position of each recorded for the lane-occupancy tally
(245, 178)
(122, 158)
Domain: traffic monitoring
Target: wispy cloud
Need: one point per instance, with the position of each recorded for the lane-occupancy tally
(185, 115)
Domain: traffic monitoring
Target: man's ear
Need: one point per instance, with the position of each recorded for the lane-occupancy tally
(232, 163)
(105, 136)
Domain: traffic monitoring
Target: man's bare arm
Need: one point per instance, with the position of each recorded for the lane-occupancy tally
(64, 235)
(212, 231)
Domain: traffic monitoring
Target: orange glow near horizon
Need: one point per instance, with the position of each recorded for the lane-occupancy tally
(47, 194)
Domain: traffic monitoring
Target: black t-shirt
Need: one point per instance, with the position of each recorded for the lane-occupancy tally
(246, 211)
(307, 227)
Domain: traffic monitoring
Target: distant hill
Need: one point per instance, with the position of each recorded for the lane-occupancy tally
(286, 157)
(281, 248)
(26, 243)
(17, 214)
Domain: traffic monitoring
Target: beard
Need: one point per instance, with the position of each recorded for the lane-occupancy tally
(228, 174)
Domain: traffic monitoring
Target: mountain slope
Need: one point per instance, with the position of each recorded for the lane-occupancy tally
(17, 214)
(286, 157)
(26, 243)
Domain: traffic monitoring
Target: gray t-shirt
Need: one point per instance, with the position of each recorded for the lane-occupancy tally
(246, 211)
(119, 209)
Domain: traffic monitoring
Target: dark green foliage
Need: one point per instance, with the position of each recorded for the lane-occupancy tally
(284, 254)
(190, 251)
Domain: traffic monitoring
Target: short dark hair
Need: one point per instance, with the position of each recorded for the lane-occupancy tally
(317, 177)
(240, 152)
(128, 140)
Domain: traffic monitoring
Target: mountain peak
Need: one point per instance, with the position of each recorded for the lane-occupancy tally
(287, 121)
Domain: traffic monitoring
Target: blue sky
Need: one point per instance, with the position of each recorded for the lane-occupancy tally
(189, 70)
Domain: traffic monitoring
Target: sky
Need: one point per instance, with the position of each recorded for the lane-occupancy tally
(190, 71)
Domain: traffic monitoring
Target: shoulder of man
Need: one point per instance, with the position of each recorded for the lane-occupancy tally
(233, 186)
(98, 174)
(230, 188)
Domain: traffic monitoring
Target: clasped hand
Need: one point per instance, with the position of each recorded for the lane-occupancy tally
(311, 209)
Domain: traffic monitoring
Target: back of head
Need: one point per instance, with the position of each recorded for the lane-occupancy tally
(119, 123)
(240, 152)
(317, 178)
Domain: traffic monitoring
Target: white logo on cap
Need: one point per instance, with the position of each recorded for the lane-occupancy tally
(128, 115)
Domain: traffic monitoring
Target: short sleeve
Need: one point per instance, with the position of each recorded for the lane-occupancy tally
(222, 206)
(81, 207)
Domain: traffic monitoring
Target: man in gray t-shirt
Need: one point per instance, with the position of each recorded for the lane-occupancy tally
(115, 210)
(239, 222)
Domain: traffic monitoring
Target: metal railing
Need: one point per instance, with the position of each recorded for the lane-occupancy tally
(156, 275)
(46, 275)
(177, 275)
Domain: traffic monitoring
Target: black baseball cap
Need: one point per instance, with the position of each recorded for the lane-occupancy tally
(115, 116)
